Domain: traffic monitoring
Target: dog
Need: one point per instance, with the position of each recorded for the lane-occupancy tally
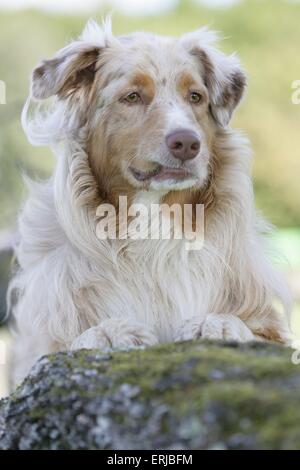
(145, 117)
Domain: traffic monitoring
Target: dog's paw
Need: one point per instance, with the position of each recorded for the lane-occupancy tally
(227, 327)
(189, 329)
(115, 334)
(215, 326)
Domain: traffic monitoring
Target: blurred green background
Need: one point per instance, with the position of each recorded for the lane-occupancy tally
(265, 33)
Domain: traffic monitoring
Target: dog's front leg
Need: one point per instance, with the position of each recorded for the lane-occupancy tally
(215, 326)
(115, 334)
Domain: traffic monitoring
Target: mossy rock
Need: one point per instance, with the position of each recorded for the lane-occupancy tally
(194, 395)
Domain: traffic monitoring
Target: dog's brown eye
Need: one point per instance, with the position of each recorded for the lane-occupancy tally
(133, 98)
(195, 97)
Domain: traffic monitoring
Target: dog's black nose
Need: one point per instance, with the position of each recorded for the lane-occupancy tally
(183, 144)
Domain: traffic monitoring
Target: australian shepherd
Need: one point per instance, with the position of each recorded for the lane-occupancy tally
(147, 118)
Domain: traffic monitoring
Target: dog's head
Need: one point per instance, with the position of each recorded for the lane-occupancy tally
(151, 105)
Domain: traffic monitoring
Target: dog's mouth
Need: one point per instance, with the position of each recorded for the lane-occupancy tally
(161, 173)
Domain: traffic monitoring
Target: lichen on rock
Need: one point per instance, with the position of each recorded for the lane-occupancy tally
(194, 395)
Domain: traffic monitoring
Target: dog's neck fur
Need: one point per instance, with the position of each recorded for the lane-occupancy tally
(77, 195)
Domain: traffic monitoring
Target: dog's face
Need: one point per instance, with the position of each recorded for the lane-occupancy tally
(153, 114)
(151, 106)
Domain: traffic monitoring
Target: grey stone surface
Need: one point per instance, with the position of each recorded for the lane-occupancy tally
(196, 395)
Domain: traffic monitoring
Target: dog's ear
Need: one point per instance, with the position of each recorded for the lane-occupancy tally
(73, 67)
(222, 74)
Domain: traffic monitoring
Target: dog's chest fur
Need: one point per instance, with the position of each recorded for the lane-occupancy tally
(157, 282)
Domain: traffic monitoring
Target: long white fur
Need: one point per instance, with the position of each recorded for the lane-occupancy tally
(75, 290)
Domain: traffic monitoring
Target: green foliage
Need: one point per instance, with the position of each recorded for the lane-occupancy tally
(266, 36)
